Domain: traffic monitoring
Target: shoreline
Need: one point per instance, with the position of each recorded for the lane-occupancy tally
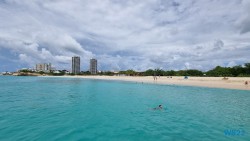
(236, 83)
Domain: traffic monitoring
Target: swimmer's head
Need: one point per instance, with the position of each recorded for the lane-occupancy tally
(160, 106)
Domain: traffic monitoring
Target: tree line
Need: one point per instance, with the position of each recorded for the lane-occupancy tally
(235, 71)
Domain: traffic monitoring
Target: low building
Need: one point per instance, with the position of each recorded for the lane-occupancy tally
(45, 67)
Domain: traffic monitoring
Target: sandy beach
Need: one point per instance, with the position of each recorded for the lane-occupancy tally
(212, 82)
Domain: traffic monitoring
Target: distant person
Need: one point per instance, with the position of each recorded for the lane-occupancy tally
(158, 108)
(155, 78)
(224, 78)
(246, 83)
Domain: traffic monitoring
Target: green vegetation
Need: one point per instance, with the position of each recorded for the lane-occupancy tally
(26, 71)
(59, 73)
(236, 71)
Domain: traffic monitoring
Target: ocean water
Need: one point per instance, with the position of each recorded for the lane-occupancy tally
(41, 109)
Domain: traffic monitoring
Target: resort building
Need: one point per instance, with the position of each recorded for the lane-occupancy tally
(75, 64)
(45, 67)
(93, 66)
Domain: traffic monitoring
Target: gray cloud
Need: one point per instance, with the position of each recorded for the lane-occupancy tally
(244, 22)
(218, 44)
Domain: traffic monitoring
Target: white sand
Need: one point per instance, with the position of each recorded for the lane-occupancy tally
(213, 82)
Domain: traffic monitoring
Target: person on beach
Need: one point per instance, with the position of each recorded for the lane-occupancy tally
(155, 78)
(246, 83)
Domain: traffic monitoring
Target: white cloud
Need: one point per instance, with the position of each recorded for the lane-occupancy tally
(127, 34)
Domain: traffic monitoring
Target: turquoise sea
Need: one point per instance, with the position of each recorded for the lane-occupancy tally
(71, 109)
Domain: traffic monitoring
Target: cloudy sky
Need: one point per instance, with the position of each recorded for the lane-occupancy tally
(125, 34)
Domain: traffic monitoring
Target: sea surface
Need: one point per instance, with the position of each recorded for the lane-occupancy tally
(71, 109)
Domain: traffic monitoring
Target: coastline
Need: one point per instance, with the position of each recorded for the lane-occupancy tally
(210, 82)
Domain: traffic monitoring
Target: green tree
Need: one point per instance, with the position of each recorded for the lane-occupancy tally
(181, 73)
(219, 71)
(247, 68)
(159, 72)
(130, 72)
(149, 72)
(170, 73)
(194, 73)
(109, 73)
(237, 70)
(41, 72)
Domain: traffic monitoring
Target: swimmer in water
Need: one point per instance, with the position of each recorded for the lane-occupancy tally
(158, 108)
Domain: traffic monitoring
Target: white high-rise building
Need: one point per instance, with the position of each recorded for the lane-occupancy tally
(93, 66)
(75, 64)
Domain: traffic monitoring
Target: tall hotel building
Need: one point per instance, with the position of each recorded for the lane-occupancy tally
(75, 64)
(93, 66)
